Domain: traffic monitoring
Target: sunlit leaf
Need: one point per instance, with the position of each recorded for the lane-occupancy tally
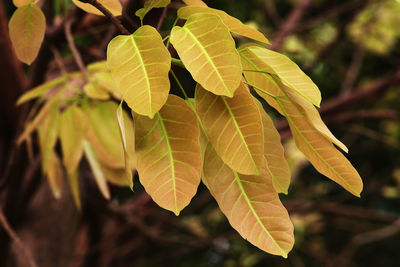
(95, 166)
(19, 3)
(122, 132)
(234, 128)
(280, 65)
(208, 51)
(27, 27)
(274, 153)
(168, 154)
(251, 205)
(114, 6)
(149, 5)
(140, 64)
(195, 3)
(234, 25)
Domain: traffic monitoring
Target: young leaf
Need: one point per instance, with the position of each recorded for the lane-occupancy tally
(234, 25)
(96, 169)
(54, 173)
(251, 205)
(194, 3)
(74, 186)
(280, 65)
(149, 5)
(140, 64)
(168, 154)
(114, 6)
(277, 165)
(122, 132)
(41, 90)
(234, 128)
(27, 27)
(19, 3)
(48, 133)
(208, 51)
(116, 176)
(95, 91)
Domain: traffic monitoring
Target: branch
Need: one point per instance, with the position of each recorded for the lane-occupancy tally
(109, 15)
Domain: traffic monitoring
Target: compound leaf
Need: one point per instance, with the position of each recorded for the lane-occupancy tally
(208, 51)
(168, 154)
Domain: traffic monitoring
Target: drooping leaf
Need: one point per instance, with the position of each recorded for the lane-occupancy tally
(95, 91)
(251, 205)
(195, 3)
(105, 81)
(208, 51)
(168, 154)
(140, 64)
(55, 174)
(48, 133)
(27, 27)
(74, 187)
(149, 5)
(19, 3)
(234, 25)
(265, 82)
(116, 176)
(72, 131)
(122, 131)
(114, 6)
(288, 71)
(41, 90)
(277, 165)
(95, 166)
(234, 128)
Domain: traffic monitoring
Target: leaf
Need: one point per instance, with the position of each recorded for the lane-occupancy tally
(265, 82)
(280, 65)
(122, 132)
(140, 64)
(208, 51)
(168, 154)
(194, 3)
(96, 169)
(149, 5)
(116, 176)
(94, 91)
(41, 90)
(104, 135)
(74, 186)
(251, 205)
(234, 25)
(114, 6)
(19, 3)
(274, 154)
(234, 128)
(72, 130)
(54, 174)
(48, 133)
(27, 27)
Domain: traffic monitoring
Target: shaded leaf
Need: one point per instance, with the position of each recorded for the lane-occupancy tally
(122, 132)
(208, 51)
(114, 6)
(140, 64)
(27, 27)
(41, 90)
(74, 187)
(168, 154)
(234, 25)
(54, 174)
(149, 5)
(251, 205)
(94, 91)
(48, 133)
(234, 128)
(116, 176)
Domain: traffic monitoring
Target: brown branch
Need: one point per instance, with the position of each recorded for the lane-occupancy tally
(109, 15)
(74, 50)
(162, 18)
(21, 246)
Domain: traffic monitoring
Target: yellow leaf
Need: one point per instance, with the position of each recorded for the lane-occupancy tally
(168, 154)
(208, 51)
(140, 64)
(96, 169)
(264, 81)
(54, 173)
(48, 133)
(274, 153)
(149, 5)
(195, 3)
(122, 132)
(280, 65)
(41, 90)
(234, 128)
(19, 3)
(27, 27)
(251, 205)
(95, 91)
(105, 81)
(234, 25)
(72, 130)
(116, 176)
(114, 6)
(74, 186)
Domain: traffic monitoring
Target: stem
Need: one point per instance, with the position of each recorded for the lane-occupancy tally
(179, 84)
(173, 25)
(109, 15)
(177, 62)
(162, 18)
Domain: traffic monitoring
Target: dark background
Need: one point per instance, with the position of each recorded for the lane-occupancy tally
(351, 51)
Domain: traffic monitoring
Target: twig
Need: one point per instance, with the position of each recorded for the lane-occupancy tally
(162, 18)
(353, 70)
(15, 238)
(109, 15)
(58, 59)
(75, 52)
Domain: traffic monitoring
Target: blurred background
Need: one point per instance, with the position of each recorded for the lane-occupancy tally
(350, 49)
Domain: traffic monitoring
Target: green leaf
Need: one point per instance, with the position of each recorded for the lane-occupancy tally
(208, 51)
(234, 128)
(149, 5)
(251, 205)
(140, 64)
(27, 27)
(168, 154)
(74, 186)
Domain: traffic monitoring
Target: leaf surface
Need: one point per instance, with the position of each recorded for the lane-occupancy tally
(140, 64)
(149, 5)
(19, 3)
(168, 154)
(234, 128)
(195, 3)
(123, 132)
(234, 25)
(114, 6)
(27, 27)
(251, 205)
(208, 51)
